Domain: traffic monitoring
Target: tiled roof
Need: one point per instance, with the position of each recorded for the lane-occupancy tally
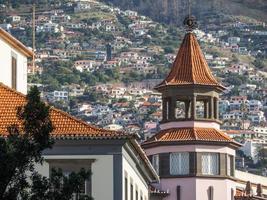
(190, 66)
(189, 134)
(64, 124)
(15, 43)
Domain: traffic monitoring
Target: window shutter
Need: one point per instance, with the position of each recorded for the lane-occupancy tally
(198, 163)
(150, 158)
(223, 164)
(232, 165)
(164, 164)
(192, 163)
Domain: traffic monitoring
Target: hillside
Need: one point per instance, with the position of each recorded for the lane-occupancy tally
(173, 11)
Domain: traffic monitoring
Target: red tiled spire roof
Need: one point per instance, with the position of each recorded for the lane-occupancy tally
(190, 66)
(64, 124)
(189, 134)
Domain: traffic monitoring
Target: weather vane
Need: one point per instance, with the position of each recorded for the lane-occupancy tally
(190, 21)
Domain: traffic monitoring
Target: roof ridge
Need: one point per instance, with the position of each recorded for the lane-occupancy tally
(191, 51)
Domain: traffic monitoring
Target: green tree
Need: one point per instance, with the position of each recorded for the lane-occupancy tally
(22, 148)
(168, 50)
(259, 63)
(19, 152)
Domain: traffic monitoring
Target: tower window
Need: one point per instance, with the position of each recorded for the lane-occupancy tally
(179, 163)
(210, 163)
(200, 110)
(180, 112)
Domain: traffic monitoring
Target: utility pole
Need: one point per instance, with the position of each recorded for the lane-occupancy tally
(33, 38)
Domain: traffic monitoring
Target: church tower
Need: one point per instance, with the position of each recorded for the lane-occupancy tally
(194, 159)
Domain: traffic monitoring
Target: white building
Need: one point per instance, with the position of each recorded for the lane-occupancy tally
(60, 95)
(85, 65)
(15, 18)
(82, 6)
(50, 28)
(256, 116)
(233, 40)
(261, 132)
(131, 13)
(13, 65)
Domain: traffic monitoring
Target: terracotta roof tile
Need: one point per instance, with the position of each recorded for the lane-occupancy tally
(189, 134)
(64, 124)
(190, 66)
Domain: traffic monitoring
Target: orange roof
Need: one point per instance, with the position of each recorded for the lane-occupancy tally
(64, 124)
(190, 66)
(189, 134)
(15, 43)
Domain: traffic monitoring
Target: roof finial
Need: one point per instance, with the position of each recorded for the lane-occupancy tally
(190, 21)
(189, 7)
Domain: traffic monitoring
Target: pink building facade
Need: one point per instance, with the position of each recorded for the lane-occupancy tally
(194, 159)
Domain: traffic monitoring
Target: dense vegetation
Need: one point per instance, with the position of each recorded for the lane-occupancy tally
(175, 10)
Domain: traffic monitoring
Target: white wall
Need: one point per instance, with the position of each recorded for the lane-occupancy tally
(134, 177)
(255, 179)
(102, 173)
(6, 51)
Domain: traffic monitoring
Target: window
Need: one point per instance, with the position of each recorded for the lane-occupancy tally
(200, 109)
(210, 193)
(131, 191)
(210, 163)
(126, 188)
(83, 187)
(230, 165)
(180, 110)
(179, 163)
(155, 162)
(14, 73)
